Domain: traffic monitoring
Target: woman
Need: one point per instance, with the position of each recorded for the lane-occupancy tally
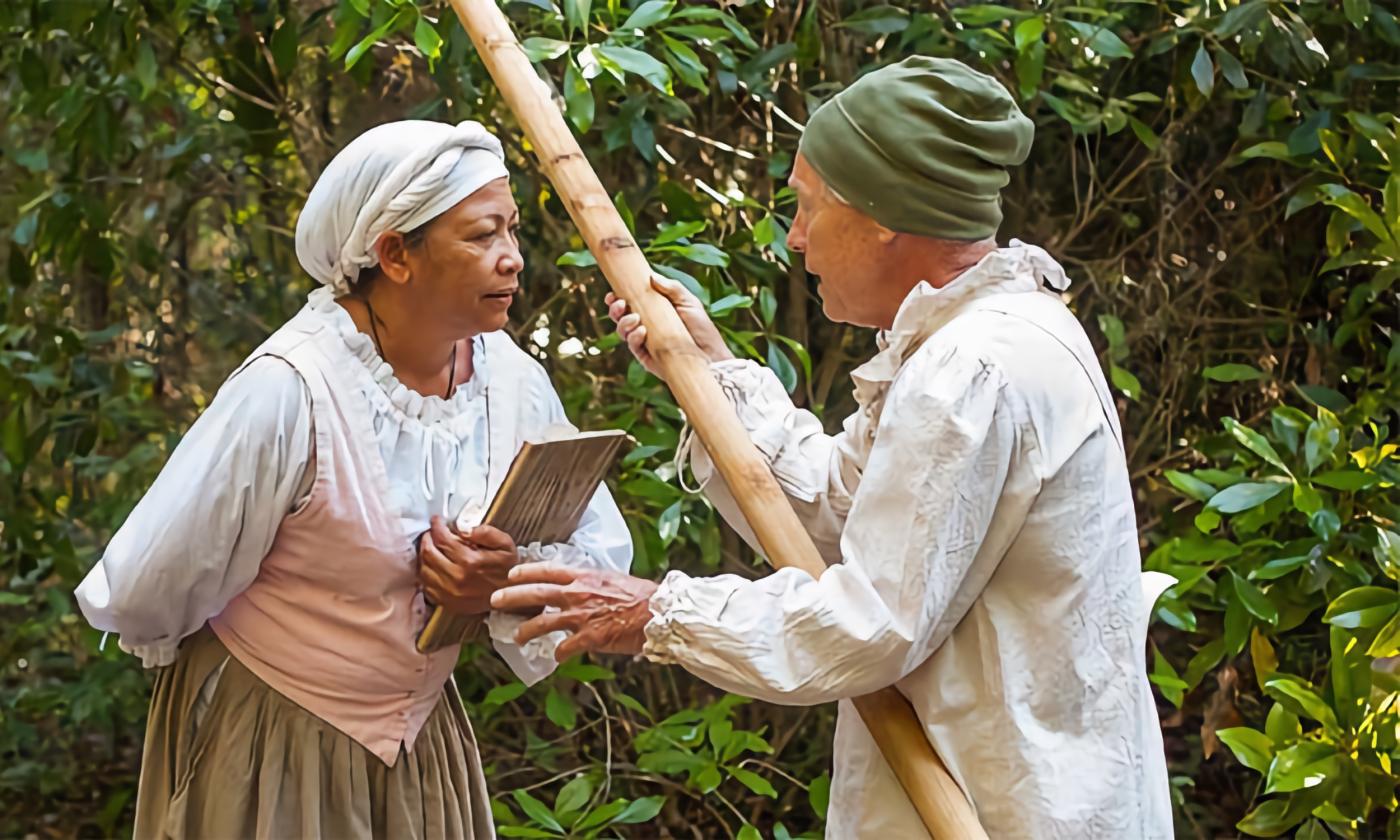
(276, 571)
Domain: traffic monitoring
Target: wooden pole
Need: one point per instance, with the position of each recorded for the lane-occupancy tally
(888, 716)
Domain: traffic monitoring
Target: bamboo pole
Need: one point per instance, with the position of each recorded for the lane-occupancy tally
(888, 716)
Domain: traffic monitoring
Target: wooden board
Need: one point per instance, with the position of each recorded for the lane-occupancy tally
(542, 499)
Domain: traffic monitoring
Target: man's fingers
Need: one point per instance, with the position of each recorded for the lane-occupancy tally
(543, 625)
(580, 641)
(673, 291)
(637, 341)
(617, 308)
(545, 572)
(529, 596)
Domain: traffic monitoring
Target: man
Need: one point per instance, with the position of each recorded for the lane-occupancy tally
(975, 512)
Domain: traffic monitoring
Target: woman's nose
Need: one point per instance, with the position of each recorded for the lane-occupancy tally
(512, 262)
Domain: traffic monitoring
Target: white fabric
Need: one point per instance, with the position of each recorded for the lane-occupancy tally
(198, 536)
(978, 519)
(396, 176)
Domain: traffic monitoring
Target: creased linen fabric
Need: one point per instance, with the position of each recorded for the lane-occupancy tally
(978, 521)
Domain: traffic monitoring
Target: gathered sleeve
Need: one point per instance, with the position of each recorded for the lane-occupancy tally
(817, 472)
(601, 541)
(198, 537)
(910, 563)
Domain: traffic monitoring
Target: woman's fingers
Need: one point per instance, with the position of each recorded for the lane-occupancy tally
(437, 528)
(617, 307)
(490, 538)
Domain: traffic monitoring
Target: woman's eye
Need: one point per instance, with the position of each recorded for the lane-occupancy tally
(482, 237)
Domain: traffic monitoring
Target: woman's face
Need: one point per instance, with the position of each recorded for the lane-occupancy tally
(466, 269)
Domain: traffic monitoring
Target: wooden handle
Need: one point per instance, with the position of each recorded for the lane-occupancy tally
(941, 804)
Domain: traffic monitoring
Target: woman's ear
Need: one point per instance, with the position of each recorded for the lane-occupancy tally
(393, 256)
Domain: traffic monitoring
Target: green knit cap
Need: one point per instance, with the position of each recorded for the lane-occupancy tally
(921, 146)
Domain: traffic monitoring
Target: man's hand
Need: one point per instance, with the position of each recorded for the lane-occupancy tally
(460, 571)
(603, 611)
(702, 330)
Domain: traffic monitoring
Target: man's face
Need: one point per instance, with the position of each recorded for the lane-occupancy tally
(844, 248)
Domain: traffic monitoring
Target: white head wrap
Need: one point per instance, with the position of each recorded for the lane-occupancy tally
(396, 176)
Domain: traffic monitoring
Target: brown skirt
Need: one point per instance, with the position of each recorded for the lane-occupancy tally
(242, 761)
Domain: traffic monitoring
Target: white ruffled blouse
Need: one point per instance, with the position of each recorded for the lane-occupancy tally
(246, 463)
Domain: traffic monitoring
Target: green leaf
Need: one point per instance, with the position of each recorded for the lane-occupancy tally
(1301, 766)
(1268, 149)
(782, 366)
(426, 38)
(648, 14)
(636, 61)
(1302, 699)
(285, 42)
(584, 672)
(578, 99)
(669, 523)
(1241, 497)
(819, 794)
(1125, 382)
(1364, 606)
(1164, 676)
(576, 15)
(1268, 820)
(1345, 480)
(1275, 569)
(748, 832)
(543, 49)
(1101, 39)
(1231, 69)
(602, 815)
(1253, 748)
(1357, 11)
(878, 20)
(1254, 600)
(536, 810)
(560, 710)
(573, 796)
(1232, 372)
(1029, 31)
(1203, 71)
(1320, 442)
(728, 303)
(1254, 442)
(358, 51)
(1190, 485)
(753, 782)
(146, 68)
(1355, 206)
(1282, 725)
(1312, 830)
(1306, 499)
(641, 810)
(1144, 133)
(502, 694)
(1387, 641)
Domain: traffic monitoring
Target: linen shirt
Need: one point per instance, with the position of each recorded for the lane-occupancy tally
(978, 524)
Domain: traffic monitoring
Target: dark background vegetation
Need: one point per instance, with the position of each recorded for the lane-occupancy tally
(1219, 177)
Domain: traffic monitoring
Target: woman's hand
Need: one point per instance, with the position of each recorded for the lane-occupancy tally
(702, 330)
(604, 611)
(460, 571)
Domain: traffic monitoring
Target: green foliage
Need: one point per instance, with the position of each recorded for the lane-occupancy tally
(1220, 179)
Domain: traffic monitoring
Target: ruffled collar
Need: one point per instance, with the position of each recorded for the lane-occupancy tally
(406, 401)
(1019, 267)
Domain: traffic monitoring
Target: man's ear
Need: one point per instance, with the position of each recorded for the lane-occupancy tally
(393, 256)
(884, 234)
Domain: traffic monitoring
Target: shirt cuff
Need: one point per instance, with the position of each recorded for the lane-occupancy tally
(157, 655)
(680, 605)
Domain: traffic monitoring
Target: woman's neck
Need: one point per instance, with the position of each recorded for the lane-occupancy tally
(420, 355)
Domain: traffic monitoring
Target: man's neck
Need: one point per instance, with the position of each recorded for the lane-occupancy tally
(938, 262)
